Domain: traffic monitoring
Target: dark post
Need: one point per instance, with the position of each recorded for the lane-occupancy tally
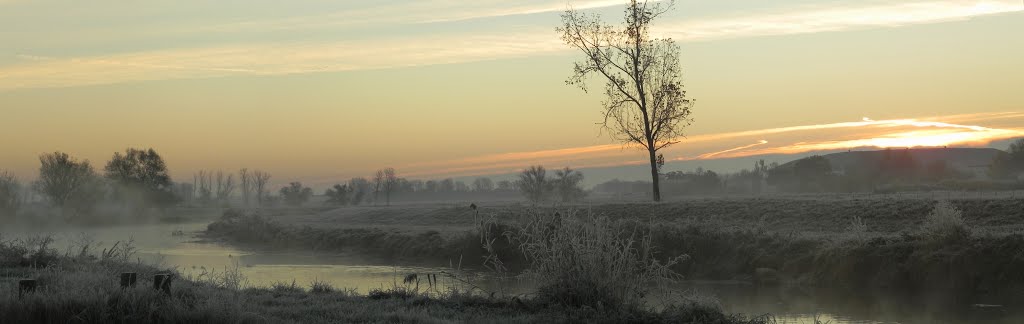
(26, 286)
(128, 279)
(162, 281)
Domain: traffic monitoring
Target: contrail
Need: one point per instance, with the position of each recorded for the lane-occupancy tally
(908, 132)
(744, 147)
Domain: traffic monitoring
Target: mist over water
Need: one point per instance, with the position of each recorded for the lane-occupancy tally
(192, 255)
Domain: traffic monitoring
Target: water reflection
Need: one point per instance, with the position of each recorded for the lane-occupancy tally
(156, 244)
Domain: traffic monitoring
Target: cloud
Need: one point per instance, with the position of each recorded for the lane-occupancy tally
(279, 58)
(816, 19)
(865, 134)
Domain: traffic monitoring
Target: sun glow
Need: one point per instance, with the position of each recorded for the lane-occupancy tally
(867, 133)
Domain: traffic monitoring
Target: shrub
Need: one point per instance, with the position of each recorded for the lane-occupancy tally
(591, 261)
(320, 287)
(944, 223)
(858, 229)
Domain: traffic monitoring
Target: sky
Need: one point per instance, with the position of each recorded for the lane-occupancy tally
(321, 91)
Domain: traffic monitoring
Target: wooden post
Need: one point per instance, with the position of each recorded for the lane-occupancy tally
(162, 281)
(128, 279)
(26, 286)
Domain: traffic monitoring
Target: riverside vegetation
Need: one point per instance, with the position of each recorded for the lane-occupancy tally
(80, 285)
(964, 247)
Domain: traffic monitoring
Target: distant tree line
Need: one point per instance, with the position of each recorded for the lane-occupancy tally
(895, 169)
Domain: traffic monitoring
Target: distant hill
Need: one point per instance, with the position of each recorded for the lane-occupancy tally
(959, 158)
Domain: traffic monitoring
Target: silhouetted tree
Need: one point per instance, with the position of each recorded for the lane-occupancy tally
(1007, 165)
(68, 183)
(567, 185)
(338, 195)
(359, 186)
(646, 104)
(295, 194)
(245, 179)
(431, 186)
(225, 186)
(533, 183)
(142, 173)
(461, 186)
(505, 185)
(378, 185)
(483, 184)
(203, 185)
(10, 194)
(259, 185)
(759, 173)
(446, 185)
(390, 183)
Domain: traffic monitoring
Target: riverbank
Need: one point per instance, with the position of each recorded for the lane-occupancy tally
(84, 287)
(845, 244)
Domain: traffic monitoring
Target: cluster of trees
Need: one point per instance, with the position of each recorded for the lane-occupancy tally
(136, 179)
(211, 188)
(537, 187)
(386, 185)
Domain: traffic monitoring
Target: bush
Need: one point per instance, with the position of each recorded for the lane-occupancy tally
(944, 223)
(591, 261)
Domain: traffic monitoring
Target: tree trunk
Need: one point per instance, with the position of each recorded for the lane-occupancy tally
(654, 175)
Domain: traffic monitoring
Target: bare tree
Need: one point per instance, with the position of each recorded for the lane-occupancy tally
(225, 186)
(359, 187)
(533, 183)
(245, 179)
(203, 184)
(390, 182)
(567, 185)
(259, 183)
(483, 184)
(378, 183)
(646, 104)
(10, 194)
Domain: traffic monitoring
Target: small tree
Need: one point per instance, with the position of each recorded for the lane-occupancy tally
(67, 182)
(338, 195)
(505, 185)
(483, 185)
(645, 102)
(142, 173)
(390, 183)
(203, 185)
(1007, 165)
(245, 179)
(225, 186)
(378, 184)
(10, 194)
(567, 185)
(259, 184)
(533, 183)
(295, 194)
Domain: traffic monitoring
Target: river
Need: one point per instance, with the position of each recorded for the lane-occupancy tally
(157, 244)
